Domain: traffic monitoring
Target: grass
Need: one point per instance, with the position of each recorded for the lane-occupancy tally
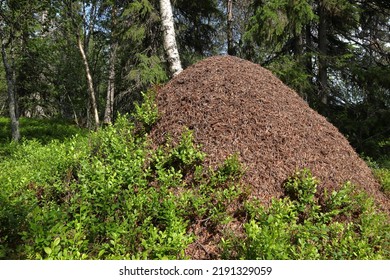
(42, 130)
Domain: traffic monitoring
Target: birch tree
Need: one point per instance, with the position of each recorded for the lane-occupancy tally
(170, 45)
(82, 28)
(91, 89)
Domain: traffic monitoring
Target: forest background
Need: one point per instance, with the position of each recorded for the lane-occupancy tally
(83, 62)
(335, 54)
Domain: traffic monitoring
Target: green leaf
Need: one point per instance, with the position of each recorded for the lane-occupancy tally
(56, 242)
(101, 253)
(48, 251)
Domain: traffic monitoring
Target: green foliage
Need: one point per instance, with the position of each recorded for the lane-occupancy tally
(197, 27)
(40, 130)
(32, 176)
(293, 73)
(383, 176)
(302, 187)
(345, 225)
(231, 170)
(98, 204)
(186, 153)
(147, 113)
(274, 22)
(148, 71)
(105, 196)
(365, 124)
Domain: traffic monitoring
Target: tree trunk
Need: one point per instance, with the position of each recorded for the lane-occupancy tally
(12, 100)
(169, 37)
(309, 51)
(109, 111)
(91, 90)
(298, 46)
(230, 41)
(323, 51)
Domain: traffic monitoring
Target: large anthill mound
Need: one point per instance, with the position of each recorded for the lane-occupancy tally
(235, 106)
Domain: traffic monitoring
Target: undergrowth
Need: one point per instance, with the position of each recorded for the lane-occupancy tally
(342, 225)
(109, 195)
(41, 130)
(381, 170)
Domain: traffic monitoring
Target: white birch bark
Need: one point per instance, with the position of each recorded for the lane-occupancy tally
(170, 45)
(91, 90)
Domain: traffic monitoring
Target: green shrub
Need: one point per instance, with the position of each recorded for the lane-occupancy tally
(345, 225)
(147, 113)
(109, 196)
(381, 170)
(383, 175)
(33, 176)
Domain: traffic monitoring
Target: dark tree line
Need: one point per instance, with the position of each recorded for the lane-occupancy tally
(87, 60)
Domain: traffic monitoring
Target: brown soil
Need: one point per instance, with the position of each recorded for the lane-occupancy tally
(235, 106)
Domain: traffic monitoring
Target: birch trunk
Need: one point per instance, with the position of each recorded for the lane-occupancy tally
(169, 37)
(91, 90)
(12, 105)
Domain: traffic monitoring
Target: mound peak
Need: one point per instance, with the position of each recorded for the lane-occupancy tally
(235, 106)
